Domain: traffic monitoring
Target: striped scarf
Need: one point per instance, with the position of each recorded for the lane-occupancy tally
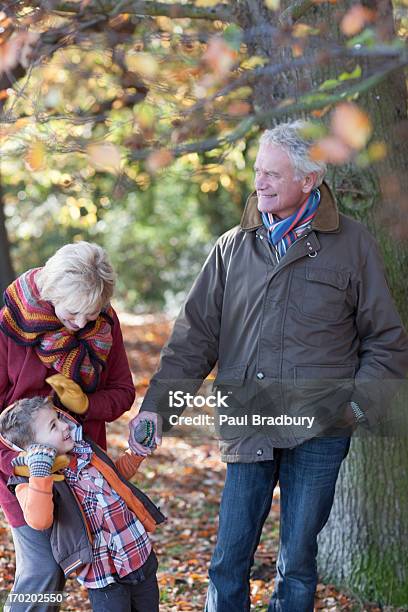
(31, 321)
(283, 233)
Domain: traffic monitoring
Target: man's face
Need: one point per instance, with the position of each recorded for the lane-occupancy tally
(277, 189)
(50, 430)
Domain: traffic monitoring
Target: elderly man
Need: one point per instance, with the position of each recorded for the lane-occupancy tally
(294, 300)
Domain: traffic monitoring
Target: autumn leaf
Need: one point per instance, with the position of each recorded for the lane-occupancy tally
(35, 156)
(17, 50)
(219, 56)
(355, 19)
(272, 5)
(297, 50)
(206, 2)
(377, 151)
(104, 156)
(158, 159)
(302, 30)
(238, 108)
(330, 150)
(351, 125)
(143, 63)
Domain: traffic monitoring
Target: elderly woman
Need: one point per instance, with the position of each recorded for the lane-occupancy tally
(58, 319)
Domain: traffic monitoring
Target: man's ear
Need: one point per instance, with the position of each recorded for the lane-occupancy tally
(309, 182)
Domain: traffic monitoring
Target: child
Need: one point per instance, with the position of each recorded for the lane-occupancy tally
(98, 520)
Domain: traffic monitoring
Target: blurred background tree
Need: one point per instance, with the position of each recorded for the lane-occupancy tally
(100, 98)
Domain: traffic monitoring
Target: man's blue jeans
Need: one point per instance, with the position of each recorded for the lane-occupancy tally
(307, 476)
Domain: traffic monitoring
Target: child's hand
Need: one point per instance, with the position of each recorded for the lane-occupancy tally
(143, 433)
(69, 392)
(40, 459)
(21, 466)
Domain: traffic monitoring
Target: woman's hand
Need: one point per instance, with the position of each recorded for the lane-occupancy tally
(69, 392)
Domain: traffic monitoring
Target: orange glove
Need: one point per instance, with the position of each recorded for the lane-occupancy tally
(69, 392)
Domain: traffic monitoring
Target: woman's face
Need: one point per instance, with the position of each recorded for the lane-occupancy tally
(75, 320)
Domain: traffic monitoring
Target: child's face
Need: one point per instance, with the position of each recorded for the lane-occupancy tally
(51, 431)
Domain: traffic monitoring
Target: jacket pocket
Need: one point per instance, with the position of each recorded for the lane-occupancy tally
(233, 376)
(314, 376)
(325, 293)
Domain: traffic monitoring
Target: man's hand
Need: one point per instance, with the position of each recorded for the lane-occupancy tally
(136, 447)
(69, 392)
(347, 419)
(25, 462)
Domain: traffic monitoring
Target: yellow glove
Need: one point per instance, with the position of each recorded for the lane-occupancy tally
(69, 392)
(60, 462)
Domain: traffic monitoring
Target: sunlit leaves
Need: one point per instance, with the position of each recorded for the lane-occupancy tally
(104, 156)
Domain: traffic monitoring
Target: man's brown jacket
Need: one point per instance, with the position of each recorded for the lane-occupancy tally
(298, 337)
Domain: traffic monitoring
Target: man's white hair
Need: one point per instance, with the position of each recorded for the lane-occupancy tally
(289, 137)
(79, 277)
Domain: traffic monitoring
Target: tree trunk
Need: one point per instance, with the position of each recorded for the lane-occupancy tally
(6, 268)
(363, 546)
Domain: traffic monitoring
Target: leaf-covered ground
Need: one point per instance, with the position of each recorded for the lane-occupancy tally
(185, 478)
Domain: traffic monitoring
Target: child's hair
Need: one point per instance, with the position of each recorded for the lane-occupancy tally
(16, 422)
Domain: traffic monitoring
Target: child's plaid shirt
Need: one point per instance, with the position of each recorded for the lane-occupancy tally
(120, 543)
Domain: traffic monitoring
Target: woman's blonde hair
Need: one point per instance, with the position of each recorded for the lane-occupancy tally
(78, 276)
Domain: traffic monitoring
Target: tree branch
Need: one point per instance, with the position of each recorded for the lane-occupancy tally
(294, 12)
(304, 105)
(219, 12)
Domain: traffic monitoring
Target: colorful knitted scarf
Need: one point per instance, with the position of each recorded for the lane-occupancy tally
(31, 321)
(283, 233)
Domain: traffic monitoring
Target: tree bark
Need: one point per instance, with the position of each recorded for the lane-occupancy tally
(6, 267)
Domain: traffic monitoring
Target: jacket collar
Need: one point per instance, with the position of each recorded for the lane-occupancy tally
(325, 220)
